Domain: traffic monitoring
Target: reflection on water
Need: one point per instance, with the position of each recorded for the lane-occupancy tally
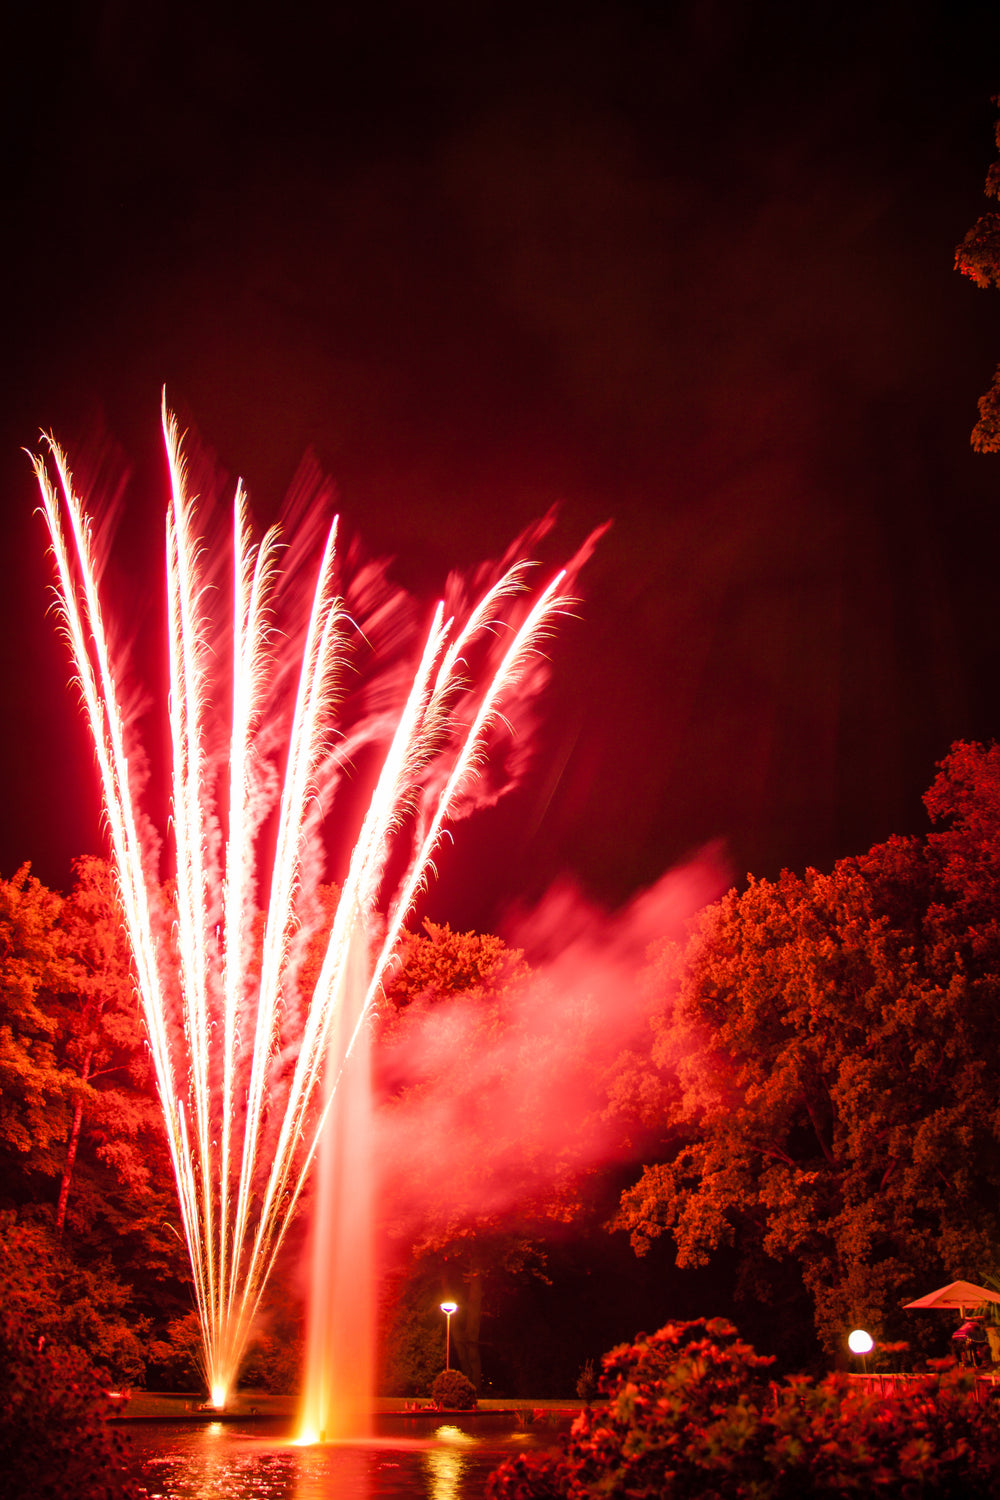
(445, 1462)
(216, 1461)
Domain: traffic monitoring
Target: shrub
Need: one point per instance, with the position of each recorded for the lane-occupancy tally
(73, 1305)
(53, 1438)
(690, 1414)
(452, 1391)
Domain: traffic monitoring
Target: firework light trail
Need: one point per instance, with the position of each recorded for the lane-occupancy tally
(239, 1055)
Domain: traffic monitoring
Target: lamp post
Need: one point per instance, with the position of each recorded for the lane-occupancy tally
(448, 1308)
(860, 1342)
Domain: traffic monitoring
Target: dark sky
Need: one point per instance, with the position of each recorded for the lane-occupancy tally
(685, 266)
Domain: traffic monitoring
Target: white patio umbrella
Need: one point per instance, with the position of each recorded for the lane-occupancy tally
(957, 1294)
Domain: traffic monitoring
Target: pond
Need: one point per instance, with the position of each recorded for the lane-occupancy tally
(447, 1459)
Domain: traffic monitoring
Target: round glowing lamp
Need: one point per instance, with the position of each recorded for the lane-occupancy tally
(448, 1308)
(860, 1342)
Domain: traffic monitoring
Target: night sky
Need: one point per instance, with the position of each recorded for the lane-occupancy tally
(685, 266)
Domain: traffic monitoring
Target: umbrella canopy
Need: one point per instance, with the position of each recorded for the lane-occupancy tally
(960, 1294)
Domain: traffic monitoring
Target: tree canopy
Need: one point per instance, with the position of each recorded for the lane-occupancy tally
(91, 1256)
(834, 1045)
(978, 257)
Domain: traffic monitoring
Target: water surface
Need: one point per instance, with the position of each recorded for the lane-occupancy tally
(251, 1460)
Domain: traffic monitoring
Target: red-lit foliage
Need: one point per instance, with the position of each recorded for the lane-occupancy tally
(978, 257)
(88, 1251)
(54, 1441)
(690, 1413)
(453, 1391)
(835, 1041)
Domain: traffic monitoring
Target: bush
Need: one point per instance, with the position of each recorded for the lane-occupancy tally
(690, 1414)
(452, 1391)
(54, 1441)
(70, 1304)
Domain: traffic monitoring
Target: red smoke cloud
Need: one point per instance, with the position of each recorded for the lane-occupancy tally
(499, 1103)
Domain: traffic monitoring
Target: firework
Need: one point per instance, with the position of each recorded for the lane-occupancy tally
(239, 1053)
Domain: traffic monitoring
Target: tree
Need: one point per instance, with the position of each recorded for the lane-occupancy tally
(85, 1308)
(99, 1026)
(116, 1192)
(410, 1335)
(978, 257)
(450, 1000)
(73, 1064)
(35, 965)
(836, 1081)
(86, 1176)
(439, 963)
(964, 805)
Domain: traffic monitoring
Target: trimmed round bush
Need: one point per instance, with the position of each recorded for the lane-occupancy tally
(452, 1391)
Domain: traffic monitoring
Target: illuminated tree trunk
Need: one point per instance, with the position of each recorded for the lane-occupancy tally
(71, 1149)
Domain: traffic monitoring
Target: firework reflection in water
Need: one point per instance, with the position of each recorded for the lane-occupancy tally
(239, 1054)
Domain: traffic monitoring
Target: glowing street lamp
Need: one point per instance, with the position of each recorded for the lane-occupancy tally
(448, 1308)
